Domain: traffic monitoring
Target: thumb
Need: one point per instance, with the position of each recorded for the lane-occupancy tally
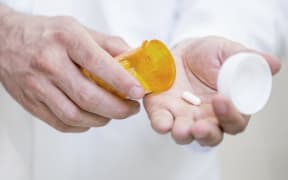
(233, 48)
(273, 62)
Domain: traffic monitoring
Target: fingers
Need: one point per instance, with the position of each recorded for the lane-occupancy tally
(208, 129)
(159, 114)
(41, 90)
(61, 94)
(185, 128)
(207, 133)
(161, 120)
(68, 112)
(45, 114)
(177, 119)
(181, 130)
(112, 44)
(87, 95)
(229, 118)
(186, 122)
(41, 111)
(93, 98)
(205, 129)
(54, 63)
(84, 51)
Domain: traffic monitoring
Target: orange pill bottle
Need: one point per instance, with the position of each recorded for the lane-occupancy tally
(152, 65)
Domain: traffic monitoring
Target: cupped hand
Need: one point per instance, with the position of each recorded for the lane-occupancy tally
(198, 62)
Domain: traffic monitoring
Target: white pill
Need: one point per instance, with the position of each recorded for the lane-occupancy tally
(191, 98)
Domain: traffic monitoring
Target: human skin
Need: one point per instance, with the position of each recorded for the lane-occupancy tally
(39, 66)
(40, 59)
(198, 62)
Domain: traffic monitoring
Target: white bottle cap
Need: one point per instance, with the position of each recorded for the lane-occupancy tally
(246, 79)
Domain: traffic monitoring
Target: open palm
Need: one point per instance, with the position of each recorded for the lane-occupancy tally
(198, 63)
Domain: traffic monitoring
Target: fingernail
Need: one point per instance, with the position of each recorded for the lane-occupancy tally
(136, 92)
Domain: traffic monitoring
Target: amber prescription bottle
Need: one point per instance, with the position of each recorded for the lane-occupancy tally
(152, 65)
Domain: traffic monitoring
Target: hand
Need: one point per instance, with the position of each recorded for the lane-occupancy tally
(198, 63)
(39, 66)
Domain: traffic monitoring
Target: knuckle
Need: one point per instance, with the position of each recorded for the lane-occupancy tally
(62, 35)
(62, 30)
(72, 117)
(33, 86)
(42, 62)
(89, 61)
(85, 97)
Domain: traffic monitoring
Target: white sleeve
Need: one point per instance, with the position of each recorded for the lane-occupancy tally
(19, 5)
(256, 24)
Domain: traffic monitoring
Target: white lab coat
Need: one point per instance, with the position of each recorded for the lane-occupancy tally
(128, 149)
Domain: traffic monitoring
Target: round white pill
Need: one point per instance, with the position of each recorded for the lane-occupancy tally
(246, 79)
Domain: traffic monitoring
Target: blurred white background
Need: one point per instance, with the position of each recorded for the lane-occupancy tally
(261, 152)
